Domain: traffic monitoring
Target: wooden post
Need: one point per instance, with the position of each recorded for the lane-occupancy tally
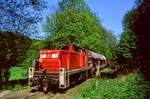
(97, 72)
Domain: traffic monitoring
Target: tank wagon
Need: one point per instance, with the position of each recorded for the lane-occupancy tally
(64, 67)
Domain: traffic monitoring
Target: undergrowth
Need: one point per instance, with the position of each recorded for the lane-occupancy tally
(131, 86)
(21, 70)
(17, 87)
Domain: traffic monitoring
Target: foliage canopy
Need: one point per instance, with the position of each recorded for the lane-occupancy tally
(75, 23)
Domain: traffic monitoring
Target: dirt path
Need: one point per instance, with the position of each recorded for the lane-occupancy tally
(21, 94)
(28, 94)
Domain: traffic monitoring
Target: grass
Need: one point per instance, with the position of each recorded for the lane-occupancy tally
(18, 87)
(129, 86)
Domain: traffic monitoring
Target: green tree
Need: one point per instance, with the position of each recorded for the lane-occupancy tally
(12, 51)
(72, 24)
(127, 47)
(111, 41)
(138, 22)
(75, 4)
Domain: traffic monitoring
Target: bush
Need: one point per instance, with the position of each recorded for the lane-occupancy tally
(130, 86)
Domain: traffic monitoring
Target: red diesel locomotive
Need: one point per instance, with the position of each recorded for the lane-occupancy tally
(64, 67)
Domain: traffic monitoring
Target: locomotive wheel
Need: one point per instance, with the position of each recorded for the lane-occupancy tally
(87, 74)
(39, 86)
(45, 85)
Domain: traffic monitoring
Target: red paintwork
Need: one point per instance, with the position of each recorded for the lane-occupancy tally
(68, 59)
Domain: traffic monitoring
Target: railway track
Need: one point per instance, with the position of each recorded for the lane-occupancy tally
(22, 94)
(29, 93)
(33, 93)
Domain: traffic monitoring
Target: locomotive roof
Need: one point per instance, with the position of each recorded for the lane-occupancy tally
(92, 54)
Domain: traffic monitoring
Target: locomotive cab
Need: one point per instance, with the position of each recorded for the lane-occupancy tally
(49, 60)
